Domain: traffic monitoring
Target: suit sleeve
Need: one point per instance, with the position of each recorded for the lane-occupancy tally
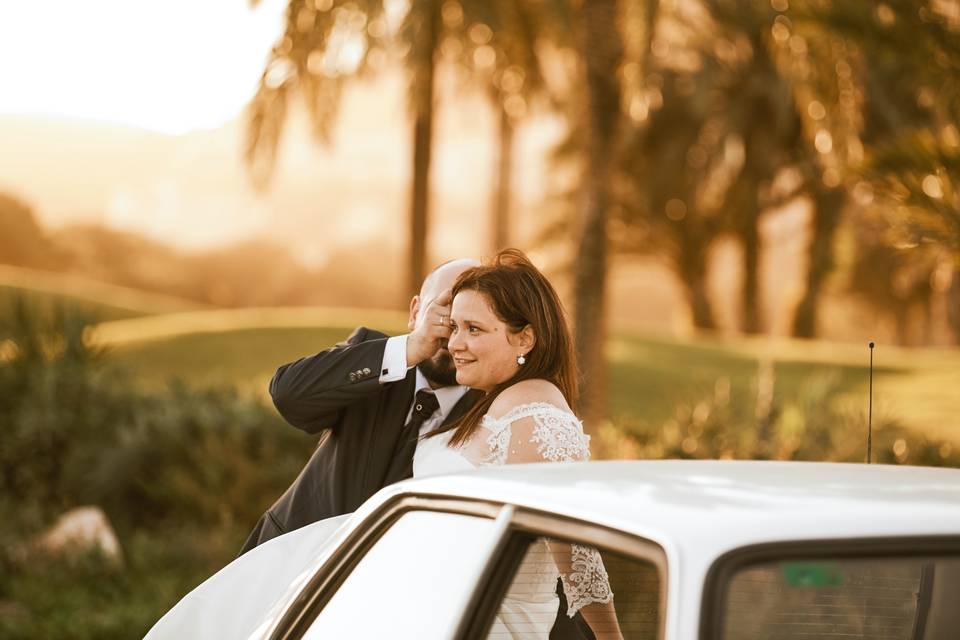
(310, 392)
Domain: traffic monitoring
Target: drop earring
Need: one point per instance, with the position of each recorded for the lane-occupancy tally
(521, 359)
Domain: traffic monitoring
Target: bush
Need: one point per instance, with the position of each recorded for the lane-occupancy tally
(182, 474)
(819, 425)
(87, 596)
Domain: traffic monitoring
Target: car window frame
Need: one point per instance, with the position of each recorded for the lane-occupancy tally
(518, 525)
(529, 524)
(726, 566)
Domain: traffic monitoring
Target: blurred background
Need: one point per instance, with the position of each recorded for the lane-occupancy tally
(733, 197)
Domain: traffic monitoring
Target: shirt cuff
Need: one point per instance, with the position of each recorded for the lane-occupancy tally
(394, 365)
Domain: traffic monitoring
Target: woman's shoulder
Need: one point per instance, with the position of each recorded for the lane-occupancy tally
(527, 393)
(533, 420)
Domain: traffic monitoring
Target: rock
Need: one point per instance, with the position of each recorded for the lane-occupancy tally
(81, 529)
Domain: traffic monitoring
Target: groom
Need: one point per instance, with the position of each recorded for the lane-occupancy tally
(369, 398)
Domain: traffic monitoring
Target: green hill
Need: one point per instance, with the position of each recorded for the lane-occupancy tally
(652, 379)
(241, 347)
(96, 300)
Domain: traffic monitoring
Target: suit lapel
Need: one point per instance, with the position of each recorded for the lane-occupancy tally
(403, 399)
(400, 465)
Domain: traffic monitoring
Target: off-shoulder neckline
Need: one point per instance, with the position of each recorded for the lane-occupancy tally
(524, 410)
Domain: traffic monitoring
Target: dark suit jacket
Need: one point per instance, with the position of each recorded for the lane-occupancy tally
(338, 394)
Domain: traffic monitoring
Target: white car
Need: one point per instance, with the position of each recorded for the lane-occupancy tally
(692, 550)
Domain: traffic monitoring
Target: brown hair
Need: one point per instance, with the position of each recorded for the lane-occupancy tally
(520, 295)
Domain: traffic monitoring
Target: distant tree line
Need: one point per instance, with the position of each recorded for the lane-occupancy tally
(230, 276)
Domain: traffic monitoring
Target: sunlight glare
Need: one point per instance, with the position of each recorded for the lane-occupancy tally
(171, 68)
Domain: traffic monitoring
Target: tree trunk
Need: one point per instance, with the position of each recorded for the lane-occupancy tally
(601, 50)
(827, 207)
(691, 267)
(768, 133)
(700, 304)
(422, 97)
(953, 302)
(750, 239)
(504, 172)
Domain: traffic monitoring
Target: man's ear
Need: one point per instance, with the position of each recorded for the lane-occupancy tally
(414, 311)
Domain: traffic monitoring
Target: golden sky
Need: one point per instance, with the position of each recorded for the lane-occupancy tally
(129, 114)
(170, 66)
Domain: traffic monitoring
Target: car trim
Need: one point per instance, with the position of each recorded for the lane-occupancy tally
(515, 527)
(494, 580)
(721, 571)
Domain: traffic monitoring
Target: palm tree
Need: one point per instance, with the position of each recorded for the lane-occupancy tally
(763, 116)
(499, 47)
(667, 160)
(326, 42)
(601, 52)
(702, 158)
(906, 60)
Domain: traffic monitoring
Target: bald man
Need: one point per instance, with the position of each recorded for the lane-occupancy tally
(359, 395)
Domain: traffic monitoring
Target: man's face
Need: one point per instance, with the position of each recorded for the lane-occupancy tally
(439, 369)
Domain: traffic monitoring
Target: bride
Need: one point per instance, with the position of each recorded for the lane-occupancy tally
(509, 339)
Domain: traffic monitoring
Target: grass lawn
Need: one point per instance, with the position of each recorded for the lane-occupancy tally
(650, 376)
(239, 347)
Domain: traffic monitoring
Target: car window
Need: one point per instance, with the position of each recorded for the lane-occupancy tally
(603, 590)
(869, 598)
(413, 582)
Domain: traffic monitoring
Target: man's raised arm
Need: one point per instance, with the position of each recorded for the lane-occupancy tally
(310, 392)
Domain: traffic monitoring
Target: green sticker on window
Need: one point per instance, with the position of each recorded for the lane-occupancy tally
(811, 574)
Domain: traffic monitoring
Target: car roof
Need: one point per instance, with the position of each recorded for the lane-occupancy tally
(707, 507)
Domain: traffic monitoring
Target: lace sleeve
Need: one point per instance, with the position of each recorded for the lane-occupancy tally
(541, 432)
(584, 577)
(537, 432)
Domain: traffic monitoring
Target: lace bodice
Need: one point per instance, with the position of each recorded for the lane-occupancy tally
(535, 432)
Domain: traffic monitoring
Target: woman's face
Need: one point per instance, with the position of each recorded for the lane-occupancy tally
(483, 349)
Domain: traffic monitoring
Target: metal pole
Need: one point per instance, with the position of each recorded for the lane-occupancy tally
(870, 412)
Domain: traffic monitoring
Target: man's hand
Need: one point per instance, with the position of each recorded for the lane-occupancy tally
(431, 332)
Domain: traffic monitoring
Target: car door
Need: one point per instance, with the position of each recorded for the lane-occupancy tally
(431, 567)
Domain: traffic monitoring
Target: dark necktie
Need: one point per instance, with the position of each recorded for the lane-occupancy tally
(424, 405)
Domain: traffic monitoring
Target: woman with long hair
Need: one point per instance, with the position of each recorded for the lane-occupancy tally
(510, 339)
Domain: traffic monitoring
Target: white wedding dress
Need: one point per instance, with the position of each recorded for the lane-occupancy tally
(528, 433)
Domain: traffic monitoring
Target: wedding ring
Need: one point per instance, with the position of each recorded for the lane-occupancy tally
(441, 322)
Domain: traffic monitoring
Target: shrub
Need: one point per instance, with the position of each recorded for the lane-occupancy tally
(182, 474)
(817, 426)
